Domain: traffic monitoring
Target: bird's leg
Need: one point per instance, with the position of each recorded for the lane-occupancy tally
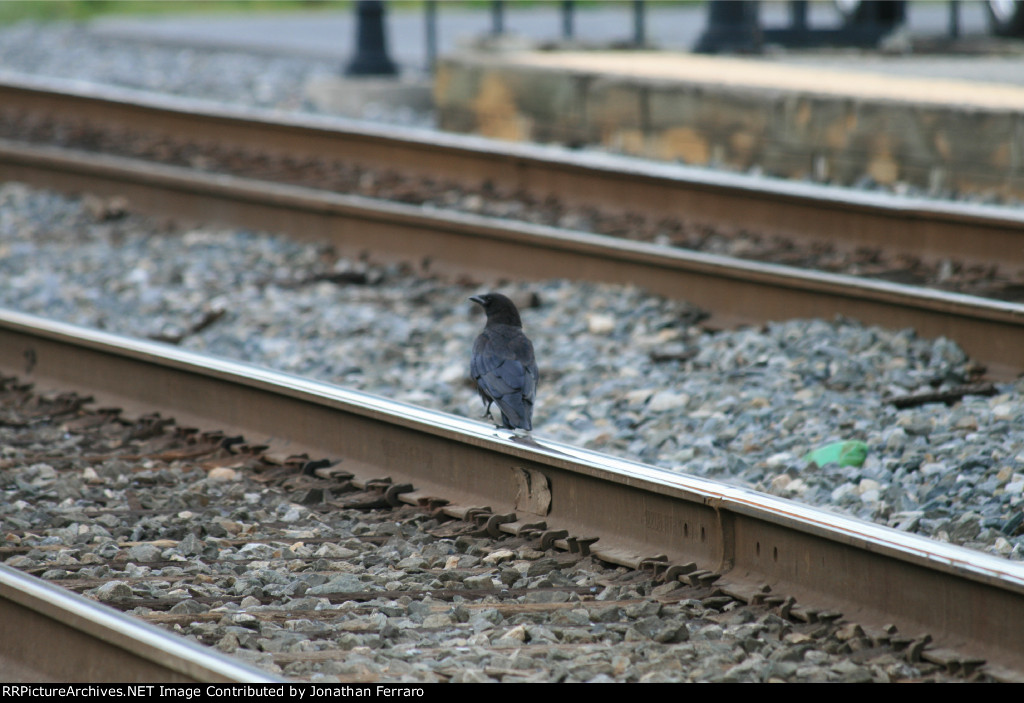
(487, 407)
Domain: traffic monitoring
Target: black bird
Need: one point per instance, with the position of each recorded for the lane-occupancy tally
(503, 364)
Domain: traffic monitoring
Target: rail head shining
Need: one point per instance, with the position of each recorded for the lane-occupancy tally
(604, 467)
(107, 645)
(635, 509)
(991, 331)
(509, 154)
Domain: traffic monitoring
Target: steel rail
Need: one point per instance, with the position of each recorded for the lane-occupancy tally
(968, 602)
(735, 291)
(49, 634)
(919, 227)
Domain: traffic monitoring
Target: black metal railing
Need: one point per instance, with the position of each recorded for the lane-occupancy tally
(733, 26)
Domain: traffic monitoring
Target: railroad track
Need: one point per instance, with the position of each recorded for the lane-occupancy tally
(49, 634)
(693, 530)
(407, 163)
(444, 241)
(947, 604)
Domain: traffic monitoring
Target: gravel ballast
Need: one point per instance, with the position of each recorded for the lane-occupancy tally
(622, 372)
(276, 568)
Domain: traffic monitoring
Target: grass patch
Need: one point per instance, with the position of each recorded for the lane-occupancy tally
(81, 10)
(12, 11)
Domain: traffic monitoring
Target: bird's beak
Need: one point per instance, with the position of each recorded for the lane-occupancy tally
(477, 299)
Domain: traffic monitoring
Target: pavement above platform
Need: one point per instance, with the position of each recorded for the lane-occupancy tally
(331, 34)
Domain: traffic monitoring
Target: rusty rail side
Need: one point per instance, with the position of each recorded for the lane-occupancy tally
(965, 600)
(49, 634)
(734, 291)
(928, 229)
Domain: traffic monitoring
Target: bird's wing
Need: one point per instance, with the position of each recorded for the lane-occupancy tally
(498, 375)
(506, 358)
(504, 369)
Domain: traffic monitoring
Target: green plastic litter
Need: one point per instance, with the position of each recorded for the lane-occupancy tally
(851, 453)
